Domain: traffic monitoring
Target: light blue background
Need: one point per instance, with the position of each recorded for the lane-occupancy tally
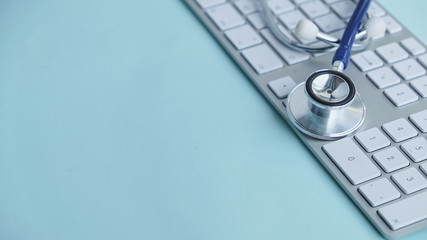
(126, 120)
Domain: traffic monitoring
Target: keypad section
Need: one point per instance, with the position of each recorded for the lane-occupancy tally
(403, 78)
(404, 167)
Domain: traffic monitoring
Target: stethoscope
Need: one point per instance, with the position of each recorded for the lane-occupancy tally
(374, 26)
(327, 106)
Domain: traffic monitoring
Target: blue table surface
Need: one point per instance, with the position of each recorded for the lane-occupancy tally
(127, 120)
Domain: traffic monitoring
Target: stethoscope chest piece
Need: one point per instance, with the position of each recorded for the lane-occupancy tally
(326, 106)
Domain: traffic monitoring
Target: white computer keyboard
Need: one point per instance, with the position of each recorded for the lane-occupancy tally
(383, 166)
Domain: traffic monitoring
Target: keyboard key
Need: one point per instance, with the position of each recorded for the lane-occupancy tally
(424, 168)
(330, 1)
(280, 6)
(379, 192)
(344, 9)
(286, 32)
(409, 180)
(367, 60)
(282, 87)
(243, 37)
(423, 60)
(409, 69)
(256, 20)
(420, 120)
(262, 59)
(301, 1)
(416, 149)
(329, 23)
(420, 85)
(225, 16)
(392, 52)
(405, 212)
(391, 159)
(401, 95)
(375, 10)
(400, 130)
(383, 77)
(246, 6)
(314, 9)
(350, 159)
(209, 3)
(291, 19)
(413, 46)
(392, 25)
(291, 56)
(372, 139)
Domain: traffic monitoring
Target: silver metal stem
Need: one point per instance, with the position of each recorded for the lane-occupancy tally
(338, 66)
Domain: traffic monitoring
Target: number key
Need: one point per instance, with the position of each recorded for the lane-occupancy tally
(352, 161)
(416, 149)
(391, 159)
(372, 139)
(400, 130)
(410, 180)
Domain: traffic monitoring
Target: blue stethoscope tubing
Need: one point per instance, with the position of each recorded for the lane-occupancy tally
(343, 52)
